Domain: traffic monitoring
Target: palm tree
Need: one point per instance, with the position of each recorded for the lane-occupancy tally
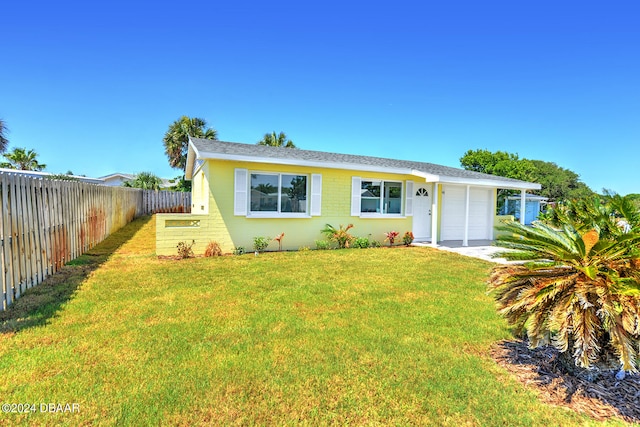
(274, 140)
(581, 290)
(176, 139)
(144, 180)
(21, 159)
(3, 138)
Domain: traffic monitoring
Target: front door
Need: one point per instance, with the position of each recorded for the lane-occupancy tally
(422, 211)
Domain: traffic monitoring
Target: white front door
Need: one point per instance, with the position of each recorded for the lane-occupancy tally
(422, 211)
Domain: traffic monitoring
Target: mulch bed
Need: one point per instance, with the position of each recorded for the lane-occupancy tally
(602, 398)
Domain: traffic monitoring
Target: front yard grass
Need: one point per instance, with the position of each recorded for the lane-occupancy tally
(363, 337)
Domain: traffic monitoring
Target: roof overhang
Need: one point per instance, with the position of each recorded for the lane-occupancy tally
(194, 154)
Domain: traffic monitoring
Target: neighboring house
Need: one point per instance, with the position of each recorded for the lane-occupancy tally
(241, 191)
(118, 180)
(533, 206)
(36, 174)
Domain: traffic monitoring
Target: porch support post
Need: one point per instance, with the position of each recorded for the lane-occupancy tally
(523, 205)
(434, 214)
(465, 239)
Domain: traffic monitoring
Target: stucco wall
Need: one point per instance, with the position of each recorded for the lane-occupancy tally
(231, 231)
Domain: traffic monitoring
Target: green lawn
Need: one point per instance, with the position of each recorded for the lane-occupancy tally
(362, 337)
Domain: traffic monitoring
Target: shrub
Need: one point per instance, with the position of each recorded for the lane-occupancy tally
(374, 244)
(339, 235)
(213, 249)
(391, 237)
(239, 250)
(407, 239)
(323, 245)
(260, 243)
(581, 293)
(361, 242)
(184, 249)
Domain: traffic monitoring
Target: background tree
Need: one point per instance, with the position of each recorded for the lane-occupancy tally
(498, 163)
(274, 140)
(180, 184)
(144, 180)
(176, 139)
(557, 183)
(21, 159)
(4, 142)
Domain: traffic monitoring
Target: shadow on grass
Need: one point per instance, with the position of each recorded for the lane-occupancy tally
(40, 303)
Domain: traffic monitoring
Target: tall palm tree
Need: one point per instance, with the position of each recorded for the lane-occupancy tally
(4, 142)
(176, 139)
(580, 292)
(144, 180)
(21, 159)
(274, 140)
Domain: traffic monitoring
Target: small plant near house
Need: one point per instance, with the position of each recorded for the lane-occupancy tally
(184, 249)
(322, 245)
(260, 243)
(213, 249)
(407, 239)
(339, 235)
(361, 242)
(278, 239)
(391, 237)
(374, 244)
(239, 250)
(304, 249)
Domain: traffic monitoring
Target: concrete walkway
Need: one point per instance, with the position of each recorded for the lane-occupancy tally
(477, 248)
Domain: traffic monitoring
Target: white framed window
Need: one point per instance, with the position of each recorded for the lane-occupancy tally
(376, 197)
(278, 193)
(273, 194)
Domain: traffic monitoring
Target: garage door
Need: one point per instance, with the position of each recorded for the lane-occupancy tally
(453, 210)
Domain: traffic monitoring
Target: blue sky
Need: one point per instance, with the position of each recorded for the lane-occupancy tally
(93, 86)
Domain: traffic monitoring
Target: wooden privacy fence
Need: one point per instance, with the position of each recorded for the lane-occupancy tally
(47, 223)
(165, 202)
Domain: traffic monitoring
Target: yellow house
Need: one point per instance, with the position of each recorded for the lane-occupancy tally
(242, 191)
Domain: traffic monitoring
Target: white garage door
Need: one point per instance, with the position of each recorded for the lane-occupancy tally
(453, 210)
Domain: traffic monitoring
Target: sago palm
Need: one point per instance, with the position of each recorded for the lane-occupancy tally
(579, 292)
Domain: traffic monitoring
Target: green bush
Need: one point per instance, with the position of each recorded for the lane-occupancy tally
(361, 242)
(323, 245)
(260, 243)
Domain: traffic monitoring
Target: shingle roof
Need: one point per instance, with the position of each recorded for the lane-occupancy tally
(212, 149)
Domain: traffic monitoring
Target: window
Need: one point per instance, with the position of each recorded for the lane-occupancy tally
(278, 193)
(382, 197)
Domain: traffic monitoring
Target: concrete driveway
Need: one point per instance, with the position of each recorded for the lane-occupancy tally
(477, 248)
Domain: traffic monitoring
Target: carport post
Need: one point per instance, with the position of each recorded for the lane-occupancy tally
(465, 239)
(434, 214)
(523, 205)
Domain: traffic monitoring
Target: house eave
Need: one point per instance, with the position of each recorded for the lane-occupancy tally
(192, 155)
(497, 183)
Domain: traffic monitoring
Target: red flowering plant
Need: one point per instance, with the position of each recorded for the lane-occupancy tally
(391, 237)
(407, 239)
